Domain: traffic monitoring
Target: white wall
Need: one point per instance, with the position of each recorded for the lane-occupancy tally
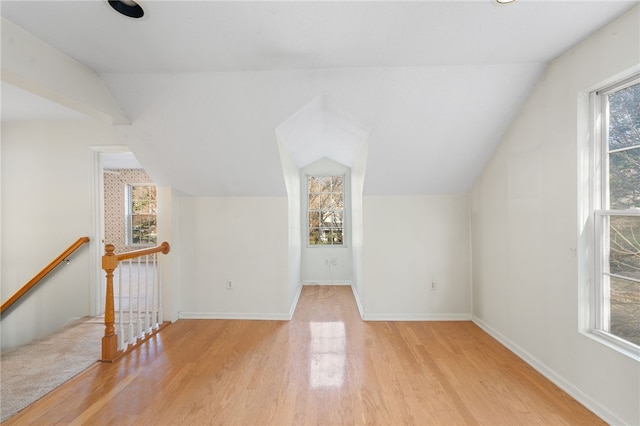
(291, 175)
(169, 264)
(46, 206)
(526, 232)
(314, 268)
(241, 239)
(358, 172)
(410, 241)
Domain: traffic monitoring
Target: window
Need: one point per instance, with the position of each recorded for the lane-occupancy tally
(616, 292)
(141, 214)
(326, 210)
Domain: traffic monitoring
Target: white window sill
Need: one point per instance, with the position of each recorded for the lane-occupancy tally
(614, 343)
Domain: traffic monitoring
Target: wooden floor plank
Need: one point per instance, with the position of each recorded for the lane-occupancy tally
(326, 366)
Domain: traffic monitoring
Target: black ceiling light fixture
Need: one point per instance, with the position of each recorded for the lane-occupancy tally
(127, 7)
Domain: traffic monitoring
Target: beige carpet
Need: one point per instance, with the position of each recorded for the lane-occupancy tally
(29, 372)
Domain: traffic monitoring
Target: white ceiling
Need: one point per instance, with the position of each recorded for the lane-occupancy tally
(206, 83)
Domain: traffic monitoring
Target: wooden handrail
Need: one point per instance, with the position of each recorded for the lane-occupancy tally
(109, 264)
(162, 248)
(50, 267)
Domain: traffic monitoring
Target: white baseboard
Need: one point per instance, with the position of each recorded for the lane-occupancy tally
(358, 303)
(597, 408)
(234, 316)
(417, 317)
(326, 282)
(292, 309)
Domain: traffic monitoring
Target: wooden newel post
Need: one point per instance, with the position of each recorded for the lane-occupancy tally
(110, 339)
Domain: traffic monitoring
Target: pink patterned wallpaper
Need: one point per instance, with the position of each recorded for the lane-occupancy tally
(115, 181)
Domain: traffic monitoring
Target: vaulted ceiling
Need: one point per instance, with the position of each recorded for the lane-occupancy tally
(205, 84)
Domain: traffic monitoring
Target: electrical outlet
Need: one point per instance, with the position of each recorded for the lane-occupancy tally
(326, 260)
(229, 285)
(334, 261)
(433, 285)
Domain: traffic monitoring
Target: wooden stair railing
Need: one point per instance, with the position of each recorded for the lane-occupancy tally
(110, 351)
(50, 267)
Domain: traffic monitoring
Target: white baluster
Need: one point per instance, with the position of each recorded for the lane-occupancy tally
(160, 312)
(131, 336)
(139, 319)
(120, 325)
(154, 288)
(147, 320)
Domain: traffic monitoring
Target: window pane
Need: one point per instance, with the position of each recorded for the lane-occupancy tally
(324, 237)
(315, 184)
(335, 235)
(314, 201)
(625, 309)
(314, 236)
(141, 203)
(617, 295)
(624, 178)
(624, 118)
(624, 246)
(143, 229)
(325, 201)
(338, 201)
(333, 219)
(314, 219)
(325, 209)
(319, 184)
(143, 199)
(337, 184)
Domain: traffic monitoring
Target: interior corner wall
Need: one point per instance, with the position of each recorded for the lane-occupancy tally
(291, 175)
(46, 206)
(410, 242)
(237, 239)
(358, 172)
(526, 232)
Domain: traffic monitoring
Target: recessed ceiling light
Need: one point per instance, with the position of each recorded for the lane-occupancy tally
(500, 2)
(127, 7)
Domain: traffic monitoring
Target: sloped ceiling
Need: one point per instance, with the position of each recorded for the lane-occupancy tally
(318, 131)
(205, 84)
(25, 105)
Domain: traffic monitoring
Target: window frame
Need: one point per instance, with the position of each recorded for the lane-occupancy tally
(600, 306)
(308, 210)
(129, 214)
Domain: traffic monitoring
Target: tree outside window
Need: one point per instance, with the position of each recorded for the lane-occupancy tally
(619, 290)
(326, 210)
(141, 207)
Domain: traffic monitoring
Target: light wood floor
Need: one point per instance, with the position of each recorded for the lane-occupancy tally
(326, 366)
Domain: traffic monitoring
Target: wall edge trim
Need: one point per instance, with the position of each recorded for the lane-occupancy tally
(294, 304)
(327, 282)
(234, 316)
(417, 317)
(358, 303)
(584, 399)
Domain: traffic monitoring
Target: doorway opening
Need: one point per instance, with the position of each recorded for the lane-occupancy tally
(124, 210)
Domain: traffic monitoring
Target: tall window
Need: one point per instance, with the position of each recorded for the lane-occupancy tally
(326, 210)
(141, 214)
(616, 308)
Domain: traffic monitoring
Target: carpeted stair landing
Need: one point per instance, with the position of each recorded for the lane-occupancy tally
(30, 371)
